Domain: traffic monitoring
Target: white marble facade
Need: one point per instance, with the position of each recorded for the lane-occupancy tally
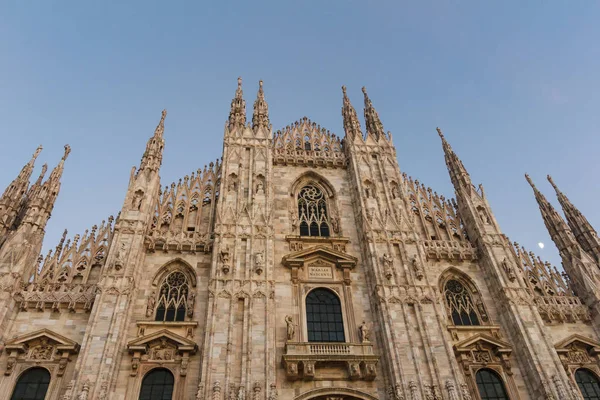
(299, 265)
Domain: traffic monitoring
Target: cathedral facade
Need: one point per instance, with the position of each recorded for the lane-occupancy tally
(298, 266)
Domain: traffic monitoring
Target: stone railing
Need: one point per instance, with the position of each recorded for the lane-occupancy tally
(57, 296)
(302, 359)
(561, 309)
(284, 156)
(181, 242)
(449, 250)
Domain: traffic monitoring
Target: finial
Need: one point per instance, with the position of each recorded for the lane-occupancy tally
(239, 82)
(530, 181)
(439, 131)
(364, 90)
(260, 84)
(552, 183)
(37, 152)
(67, 151)
(344, 89)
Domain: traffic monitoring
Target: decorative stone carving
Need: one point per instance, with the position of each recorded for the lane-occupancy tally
(464, 389)
(508, 270)
(256, 389)
(364, 332)
(120, 256)
(83, 395)
(200, 392)
(216, 391)
(191, 302)
(259, 262)
(136, 202)
(388, 265)
(159, 347)
(151, 304)
(416, 265)
(414, 391)
(273, 395)
(225, 262)
(291, 328)
(42, 351)
(451, 388)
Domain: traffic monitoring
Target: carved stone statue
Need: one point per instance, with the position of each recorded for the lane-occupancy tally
(151, 304)
(260, 188)
(388, 261)
(259, 258)
(43, 351)
(417, 268)
(291, 329)
(363, 331)
(136, 202)
(508, 269)
(190, 304)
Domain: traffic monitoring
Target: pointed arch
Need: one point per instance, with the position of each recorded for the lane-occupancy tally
(177, 263)
(311, 177)
(464, 304)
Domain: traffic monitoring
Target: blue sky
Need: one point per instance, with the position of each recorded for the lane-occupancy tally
(514, 87)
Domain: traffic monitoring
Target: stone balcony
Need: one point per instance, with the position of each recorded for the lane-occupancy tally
(310, 360)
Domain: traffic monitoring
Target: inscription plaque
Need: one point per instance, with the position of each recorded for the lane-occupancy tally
(321, 272)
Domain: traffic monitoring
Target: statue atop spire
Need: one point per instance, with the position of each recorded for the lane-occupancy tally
(584, 231)
(351, 123)
(458, 173)
(260, 117)
(374, 125)
(152, 158)
(237, 114)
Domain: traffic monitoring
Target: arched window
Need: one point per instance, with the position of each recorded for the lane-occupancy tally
(157, 385)
(172, 298)
(32, 385)
(324, 317)
(588, 384)
(460, 304)
(312, 212)
(490, 385)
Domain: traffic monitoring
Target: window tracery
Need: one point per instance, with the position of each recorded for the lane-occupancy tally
(461, 307)
(312, 212)
(172, 303)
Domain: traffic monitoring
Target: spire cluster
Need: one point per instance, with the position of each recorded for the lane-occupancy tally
(351, 123)
(372, 120)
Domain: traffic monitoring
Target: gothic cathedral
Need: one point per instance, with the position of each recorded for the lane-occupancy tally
(298, 266)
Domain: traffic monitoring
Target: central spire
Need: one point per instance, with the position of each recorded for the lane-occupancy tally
(237, 114)
(351, 123)
(372, 121)
(260, 117)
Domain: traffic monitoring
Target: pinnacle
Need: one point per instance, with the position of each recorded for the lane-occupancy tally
(552, 183)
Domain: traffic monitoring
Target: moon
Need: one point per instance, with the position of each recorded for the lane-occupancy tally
(541, 245)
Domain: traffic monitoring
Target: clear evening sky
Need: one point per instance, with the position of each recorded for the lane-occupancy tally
(514, 86)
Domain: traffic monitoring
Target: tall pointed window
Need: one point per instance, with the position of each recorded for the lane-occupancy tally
(172, 298)
(588, 384)
(32, 385)
(460, 304)
(312, 212)
(324, 317)
(157, 385)
(490, 385)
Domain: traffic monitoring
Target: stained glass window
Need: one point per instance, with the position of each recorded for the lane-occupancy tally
(172, 299)
(312, 212)
(588, 384)
(32, 385)
(460, 304)
(157, 385)
(490, 385)
(324, 317)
